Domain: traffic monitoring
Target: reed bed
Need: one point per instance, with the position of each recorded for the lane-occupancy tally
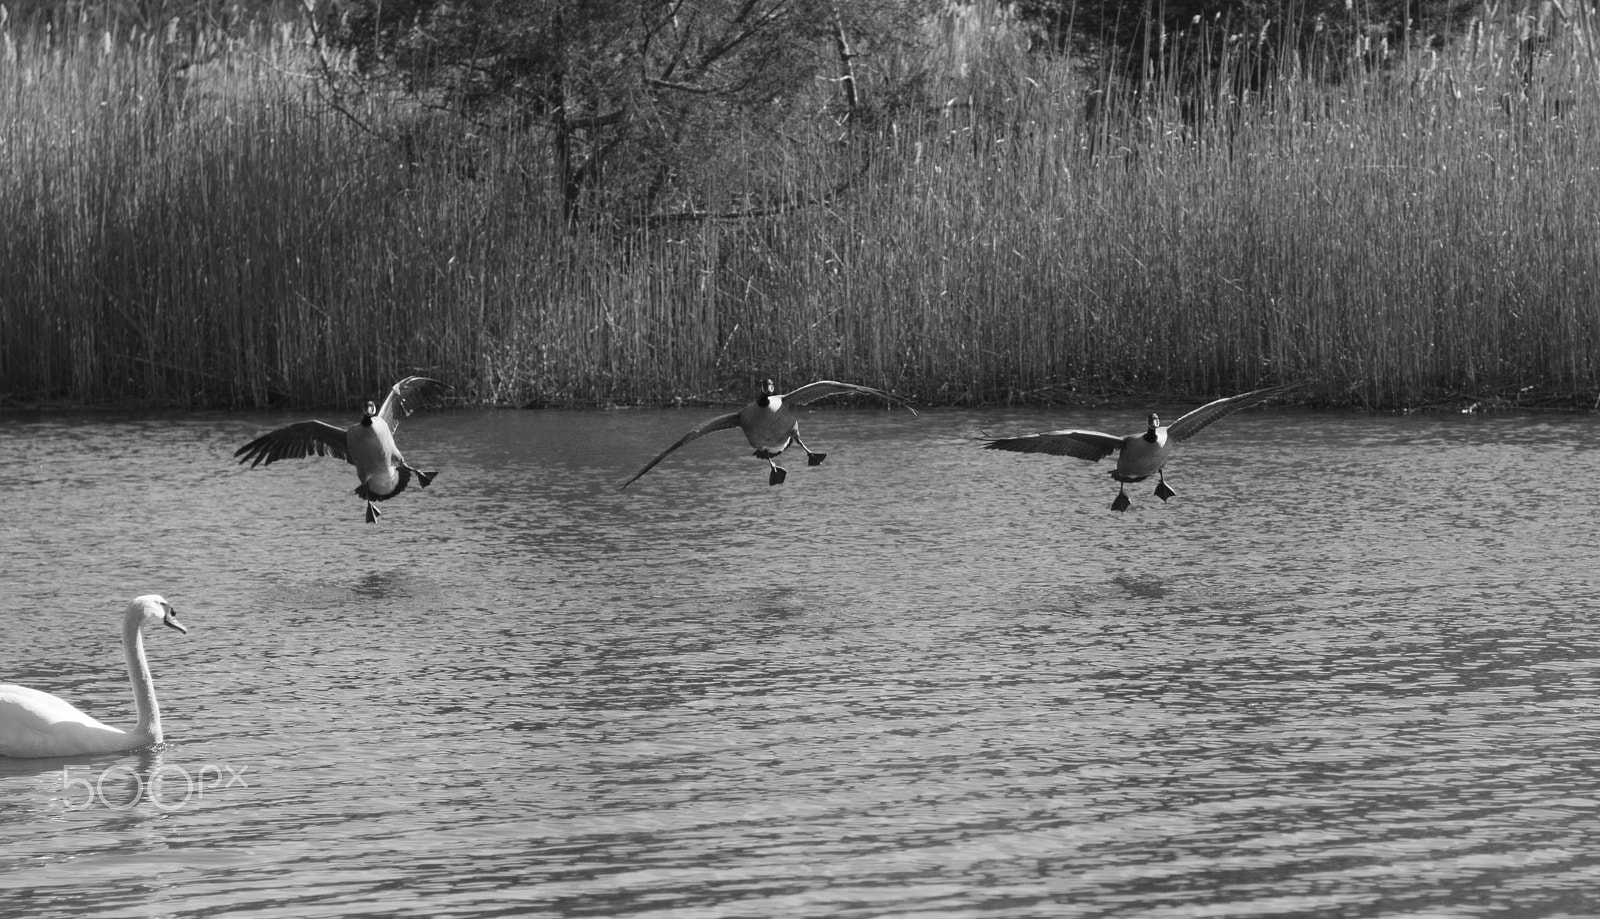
(1423, 233)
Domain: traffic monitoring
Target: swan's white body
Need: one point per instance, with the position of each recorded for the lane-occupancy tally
(37, 724)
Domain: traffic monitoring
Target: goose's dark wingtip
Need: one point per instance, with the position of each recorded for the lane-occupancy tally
(419, 378)
(1269, 393)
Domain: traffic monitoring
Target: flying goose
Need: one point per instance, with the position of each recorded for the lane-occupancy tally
(770, 424)
(368, 444)
(34, 723)
(1139, 455)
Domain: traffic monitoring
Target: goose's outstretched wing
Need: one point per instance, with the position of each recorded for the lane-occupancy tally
(719, 423)
(407, 396)
(1085, 445)
(822, 388)
(1196, 421)
(300, 439)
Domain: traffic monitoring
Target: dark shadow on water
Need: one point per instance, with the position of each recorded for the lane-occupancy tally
(381, 585)
(1145, 588)
(779, 603)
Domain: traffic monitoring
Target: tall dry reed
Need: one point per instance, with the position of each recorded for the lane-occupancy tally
(227, 236)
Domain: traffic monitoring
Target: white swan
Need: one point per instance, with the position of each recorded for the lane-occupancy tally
(34, 723)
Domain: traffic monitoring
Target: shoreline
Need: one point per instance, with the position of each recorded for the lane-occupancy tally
(1451, 403)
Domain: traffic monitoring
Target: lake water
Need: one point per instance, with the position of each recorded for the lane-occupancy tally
(1351, 670)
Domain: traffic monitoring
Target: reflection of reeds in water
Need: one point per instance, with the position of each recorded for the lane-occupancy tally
(229, 238)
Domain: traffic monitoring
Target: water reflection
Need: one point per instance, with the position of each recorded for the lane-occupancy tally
(1352, 676)
(381, 585)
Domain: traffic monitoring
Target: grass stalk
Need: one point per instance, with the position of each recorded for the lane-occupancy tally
(223, 236)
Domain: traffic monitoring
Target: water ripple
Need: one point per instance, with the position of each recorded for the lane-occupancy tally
(1347, 672)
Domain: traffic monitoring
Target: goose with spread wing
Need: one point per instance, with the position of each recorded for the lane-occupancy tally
(770, 423)
(1139, 456)
(367, 445)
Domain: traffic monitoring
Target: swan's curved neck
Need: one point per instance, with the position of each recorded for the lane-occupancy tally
(144, 689)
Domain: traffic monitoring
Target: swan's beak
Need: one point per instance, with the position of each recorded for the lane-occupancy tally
(170, 620)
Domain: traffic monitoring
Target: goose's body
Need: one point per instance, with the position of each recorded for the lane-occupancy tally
(38, 724)
(770, 424)
(1139, 456)
(367, 445)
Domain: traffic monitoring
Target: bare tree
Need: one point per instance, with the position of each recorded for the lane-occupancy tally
(645, 105)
